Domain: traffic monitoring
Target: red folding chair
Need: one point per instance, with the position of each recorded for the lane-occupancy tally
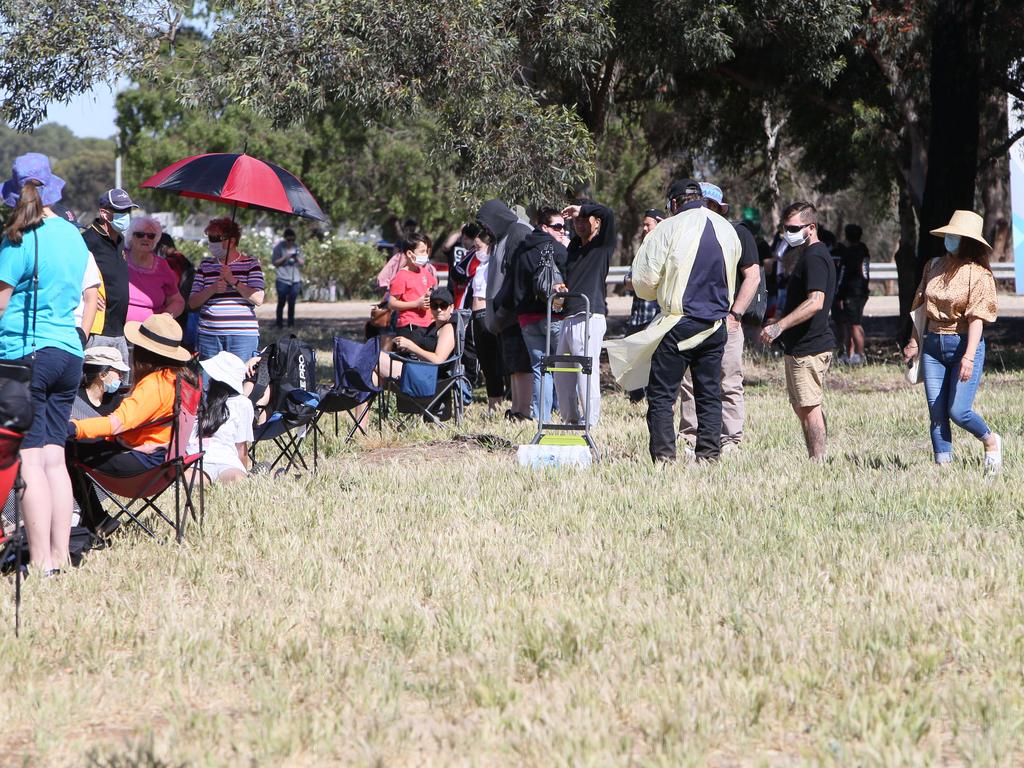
(10, 480)
(180, 471)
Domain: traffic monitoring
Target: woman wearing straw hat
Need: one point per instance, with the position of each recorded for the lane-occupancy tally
(136, 435)
(226, 423)
(959, 295)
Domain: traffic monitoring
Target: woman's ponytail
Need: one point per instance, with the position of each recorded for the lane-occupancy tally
(28, 213)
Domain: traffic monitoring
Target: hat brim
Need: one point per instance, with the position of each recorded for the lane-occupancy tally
(178, 353)
(217, 373)
(950, 230)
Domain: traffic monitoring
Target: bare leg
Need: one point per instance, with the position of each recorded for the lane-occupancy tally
(231, 476)
(63, 500)
(38, 508)
(522, 393)
(857, 335)
(812, 420)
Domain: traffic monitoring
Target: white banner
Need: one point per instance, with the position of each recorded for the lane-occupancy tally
(1017, 194)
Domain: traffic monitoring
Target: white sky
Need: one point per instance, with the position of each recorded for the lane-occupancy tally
(90, 115)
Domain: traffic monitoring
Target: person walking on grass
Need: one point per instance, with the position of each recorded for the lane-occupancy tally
(748, 280)
(959, 296)
(852, 295)
(689, 264)
(803, 329)
(288, 261)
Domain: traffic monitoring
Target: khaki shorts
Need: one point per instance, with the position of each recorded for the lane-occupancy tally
(805, 378)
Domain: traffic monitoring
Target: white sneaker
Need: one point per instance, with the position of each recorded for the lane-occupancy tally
(994, 459)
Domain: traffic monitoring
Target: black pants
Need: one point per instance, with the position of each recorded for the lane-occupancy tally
(103, 455)
(667, 368)
(488, 355)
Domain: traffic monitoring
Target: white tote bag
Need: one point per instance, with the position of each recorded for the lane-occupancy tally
(915, 371)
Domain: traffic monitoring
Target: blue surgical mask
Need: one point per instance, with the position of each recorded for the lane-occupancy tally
(110, 387)
(218, 250)
(120, 221)
(952, 243)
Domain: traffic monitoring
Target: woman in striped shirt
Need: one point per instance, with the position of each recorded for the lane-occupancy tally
(227, 289)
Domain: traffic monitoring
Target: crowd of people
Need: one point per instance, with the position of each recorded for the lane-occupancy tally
(112, 317)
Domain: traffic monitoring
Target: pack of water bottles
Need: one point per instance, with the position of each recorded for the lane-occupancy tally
(544, 456)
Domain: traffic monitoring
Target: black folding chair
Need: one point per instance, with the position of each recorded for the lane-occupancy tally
(353, 392)
(286, 430)
(431, 391)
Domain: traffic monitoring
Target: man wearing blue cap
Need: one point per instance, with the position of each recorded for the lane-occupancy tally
(105, 240)
(748, 280)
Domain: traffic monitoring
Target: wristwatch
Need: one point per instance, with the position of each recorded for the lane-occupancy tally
(736, 315)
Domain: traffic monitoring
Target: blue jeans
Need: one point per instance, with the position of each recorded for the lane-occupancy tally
(243, 346)
(535, 338)
(287, 293)
(950, 399)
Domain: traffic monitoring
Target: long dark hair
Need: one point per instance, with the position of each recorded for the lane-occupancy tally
(216, 412)
(28, 213)
(145, 362)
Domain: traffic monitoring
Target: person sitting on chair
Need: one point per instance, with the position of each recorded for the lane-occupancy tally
(436, 342)
(101, 379)
(226, 423)
(135, 437)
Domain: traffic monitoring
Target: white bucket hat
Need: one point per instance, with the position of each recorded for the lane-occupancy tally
(965, 224)
(227, 368)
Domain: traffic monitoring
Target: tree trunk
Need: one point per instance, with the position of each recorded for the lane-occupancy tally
(772, 130)
(954, 119)
(995, 177)
(906, 260)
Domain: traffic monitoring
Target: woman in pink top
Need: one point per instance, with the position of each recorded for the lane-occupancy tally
(152, 284)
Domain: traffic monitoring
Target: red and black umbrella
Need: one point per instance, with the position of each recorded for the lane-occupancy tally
(240, 180)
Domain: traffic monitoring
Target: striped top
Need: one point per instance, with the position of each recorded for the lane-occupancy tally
(227, 313)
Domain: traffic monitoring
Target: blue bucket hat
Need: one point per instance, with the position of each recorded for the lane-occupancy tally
(32, 167)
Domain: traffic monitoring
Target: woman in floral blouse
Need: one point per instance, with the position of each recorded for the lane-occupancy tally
(959, 295)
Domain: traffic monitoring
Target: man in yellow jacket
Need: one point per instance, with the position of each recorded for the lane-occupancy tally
(688, 263)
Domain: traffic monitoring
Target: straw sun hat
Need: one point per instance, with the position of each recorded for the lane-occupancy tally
(160, 334)
(965, 224)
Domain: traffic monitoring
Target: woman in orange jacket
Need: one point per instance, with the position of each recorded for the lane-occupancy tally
(135, 437)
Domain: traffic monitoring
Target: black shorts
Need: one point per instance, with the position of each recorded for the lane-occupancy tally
(414, 333)
(514, 353)
(852, 312)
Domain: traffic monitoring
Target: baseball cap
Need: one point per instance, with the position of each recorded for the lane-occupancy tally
(64, 212)
(714, 193)
(654, 213)
(107, 356)
(442, 295)
(116, 200)
(681, 187)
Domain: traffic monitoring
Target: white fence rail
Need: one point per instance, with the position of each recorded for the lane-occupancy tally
(880, 270)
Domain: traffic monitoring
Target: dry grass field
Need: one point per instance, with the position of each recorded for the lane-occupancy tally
(422, 601)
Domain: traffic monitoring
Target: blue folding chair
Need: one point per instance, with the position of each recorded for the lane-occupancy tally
(353, 392)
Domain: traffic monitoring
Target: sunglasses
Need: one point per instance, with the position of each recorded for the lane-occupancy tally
(147, 235)
(556, 227)
(440, 306)
(795, 227)
(215, 238)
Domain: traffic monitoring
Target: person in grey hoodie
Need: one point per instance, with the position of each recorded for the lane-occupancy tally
(509, 231)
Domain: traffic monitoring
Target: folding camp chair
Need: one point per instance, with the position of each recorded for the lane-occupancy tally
(286, 429)
(10, 485)
(432, 391)
(353, 392)
(180, 471)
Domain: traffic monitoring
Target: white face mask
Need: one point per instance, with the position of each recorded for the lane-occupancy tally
(422, 260)
(793, 239)
(218, 250)
(483, 256)
(952, 243)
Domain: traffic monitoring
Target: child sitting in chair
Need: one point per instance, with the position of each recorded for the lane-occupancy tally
(226, 423)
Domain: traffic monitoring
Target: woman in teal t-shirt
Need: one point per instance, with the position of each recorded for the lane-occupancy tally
(37, 316)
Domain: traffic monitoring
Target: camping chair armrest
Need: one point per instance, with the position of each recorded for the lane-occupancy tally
(401, 359)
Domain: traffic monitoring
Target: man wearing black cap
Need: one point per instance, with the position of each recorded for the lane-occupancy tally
(105, 240)
(688, 263)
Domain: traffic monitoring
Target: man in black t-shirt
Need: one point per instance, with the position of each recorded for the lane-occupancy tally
(748, 280)
(803, 329)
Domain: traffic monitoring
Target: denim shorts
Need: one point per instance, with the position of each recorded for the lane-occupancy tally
(55, 379)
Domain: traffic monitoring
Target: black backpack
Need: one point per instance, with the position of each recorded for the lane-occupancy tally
(287, 364)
